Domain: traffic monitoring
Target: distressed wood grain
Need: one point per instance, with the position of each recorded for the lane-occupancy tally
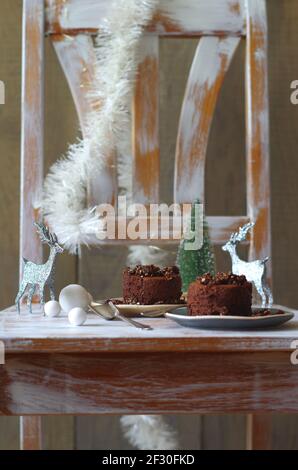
(257, 122)
(91, 435)
(210, 64)
(58, 432)
(31, 433)
(145, 124)
(258, 172)
(188, 382)
(76, 56)
(32, 131)
(259, 432)
(38, 334)
(173, 17)
(224, 432)
(32, 159)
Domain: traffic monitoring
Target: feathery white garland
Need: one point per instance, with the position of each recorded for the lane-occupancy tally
(64, 195)
(149, 432)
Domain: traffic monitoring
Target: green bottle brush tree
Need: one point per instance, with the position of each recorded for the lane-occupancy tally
(194, 263)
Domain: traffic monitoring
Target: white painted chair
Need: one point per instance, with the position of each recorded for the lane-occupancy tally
(221, 24)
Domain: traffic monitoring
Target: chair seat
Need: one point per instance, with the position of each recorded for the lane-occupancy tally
(109, 367)
(37, 334)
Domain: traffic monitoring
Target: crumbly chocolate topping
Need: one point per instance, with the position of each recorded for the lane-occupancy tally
(222, 278)
(153, 271)
(264, 312)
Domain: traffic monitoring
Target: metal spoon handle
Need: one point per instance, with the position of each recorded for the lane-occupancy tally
(91, 309)
(133, 322)
(117, 314)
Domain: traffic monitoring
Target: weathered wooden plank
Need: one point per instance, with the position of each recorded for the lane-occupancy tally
(257, 117)
(38, 334)
(76, 56)
(211, 61)
(9, 430)
(32, 154)
(223, 432)
(259, 432)
(188, 382)
(145, 124)
(284, 432)
(173, 17)
(259, 427)
(32, 131)
(58, 432)
(90, 433)
(31, 433)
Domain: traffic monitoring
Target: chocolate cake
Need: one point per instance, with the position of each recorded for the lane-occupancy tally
(223, 294)
(146, 285)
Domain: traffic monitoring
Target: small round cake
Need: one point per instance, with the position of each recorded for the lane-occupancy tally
(149, 284)
(222, 294)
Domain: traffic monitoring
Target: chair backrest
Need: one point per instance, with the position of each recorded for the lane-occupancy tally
(220, 24)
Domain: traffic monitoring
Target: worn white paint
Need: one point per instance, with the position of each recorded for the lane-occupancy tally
(221, 227)
(260, 54)
(191, 17)
(50, 11)
(32, 126)
(211, 61)
(149, 51)
(76, 56)
(20, 333)
(257, 124)
(145, 122)
(63, 389)
(256, 9)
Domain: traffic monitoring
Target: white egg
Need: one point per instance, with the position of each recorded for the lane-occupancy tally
(77, 316)
(74, 296)
(52, 308)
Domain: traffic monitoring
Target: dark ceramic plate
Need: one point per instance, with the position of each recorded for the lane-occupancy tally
(228, 322)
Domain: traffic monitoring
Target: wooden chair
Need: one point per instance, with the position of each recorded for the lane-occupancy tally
(221, 25)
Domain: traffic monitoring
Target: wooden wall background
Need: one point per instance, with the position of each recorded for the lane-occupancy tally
(225, 195)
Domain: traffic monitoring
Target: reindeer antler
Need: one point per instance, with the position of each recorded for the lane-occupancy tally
(239, 236)
(45, 235)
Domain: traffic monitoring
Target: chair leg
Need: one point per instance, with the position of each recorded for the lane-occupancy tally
(259, 432)
(30, 433)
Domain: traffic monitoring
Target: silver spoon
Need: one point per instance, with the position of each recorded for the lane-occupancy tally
(109, 311)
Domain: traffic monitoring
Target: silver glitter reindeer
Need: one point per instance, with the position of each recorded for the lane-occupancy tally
(255, 271)
(40, 275)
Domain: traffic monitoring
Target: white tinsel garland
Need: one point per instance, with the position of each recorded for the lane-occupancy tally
(64, 195)
(149, 432)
